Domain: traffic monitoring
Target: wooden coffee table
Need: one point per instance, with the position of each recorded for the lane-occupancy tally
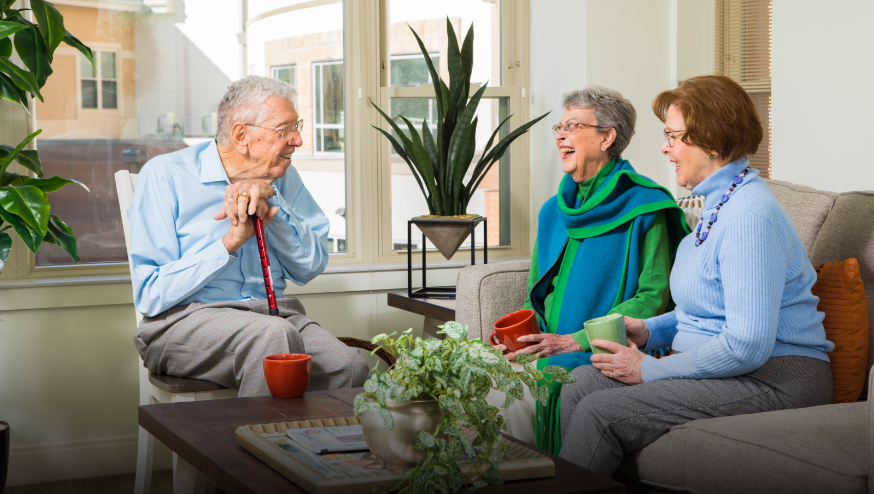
(202, 434)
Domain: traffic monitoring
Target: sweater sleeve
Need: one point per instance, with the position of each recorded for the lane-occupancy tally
(752, 264)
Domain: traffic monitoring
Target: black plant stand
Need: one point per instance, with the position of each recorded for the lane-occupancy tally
(441, 291)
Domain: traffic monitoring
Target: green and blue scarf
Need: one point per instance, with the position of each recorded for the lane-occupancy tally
(595, 257)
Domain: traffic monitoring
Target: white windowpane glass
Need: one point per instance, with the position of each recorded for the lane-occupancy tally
(89, 95)
(161, 76)
(107, 65)
(428, 19)
(304, 46)
(491, 199)
(109, 94)
(287, 74)
(412, 70)
(408, 68)
(284, 74)
(85, 67)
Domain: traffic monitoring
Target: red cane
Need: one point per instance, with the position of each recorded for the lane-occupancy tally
(265, 267)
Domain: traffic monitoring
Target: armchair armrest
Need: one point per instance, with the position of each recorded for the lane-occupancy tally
(487, 292)
(870, 430)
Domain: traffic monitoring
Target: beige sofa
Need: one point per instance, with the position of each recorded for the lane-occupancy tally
(824, 449)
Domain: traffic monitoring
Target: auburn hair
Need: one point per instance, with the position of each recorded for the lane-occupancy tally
(718, 115)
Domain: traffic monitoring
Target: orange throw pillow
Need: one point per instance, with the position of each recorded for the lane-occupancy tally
(842, 299)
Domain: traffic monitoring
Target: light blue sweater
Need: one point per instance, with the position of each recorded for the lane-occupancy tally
(743, 295)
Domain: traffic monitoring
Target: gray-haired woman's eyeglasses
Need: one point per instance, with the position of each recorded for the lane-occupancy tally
(286, 131)
(669, 136)
(570, 127)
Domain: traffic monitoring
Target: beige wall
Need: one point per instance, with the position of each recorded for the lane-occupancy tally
(69, 366)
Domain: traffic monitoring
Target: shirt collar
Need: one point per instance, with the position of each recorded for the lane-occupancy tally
(211, 168)
(717, 184)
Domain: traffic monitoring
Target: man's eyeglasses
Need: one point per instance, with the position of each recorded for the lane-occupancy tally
(670, 136)
(571, 127)
(285, 132)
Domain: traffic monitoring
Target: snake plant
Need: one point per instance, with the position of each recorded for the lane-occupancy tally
(441, 162)
(24, 205)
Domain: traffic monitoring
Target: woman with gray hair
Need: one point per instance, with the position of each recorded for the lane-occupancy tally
(605, 241)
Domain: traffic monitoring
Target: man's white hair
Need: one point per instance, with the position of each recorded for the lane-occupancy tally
(244, 102)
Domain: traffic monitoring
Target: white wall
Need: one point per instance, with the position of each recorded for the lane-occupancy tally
(558, 46)
(823, 93)
(626, 45)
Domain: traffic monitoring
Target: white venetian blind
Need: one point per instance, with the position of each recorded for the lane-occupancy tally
(742, 51)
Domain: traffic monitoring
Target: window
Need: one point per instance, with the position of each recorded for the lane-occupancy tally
(99, 87)
(409, 71)
(742, 51)
(287, 73)
(284, 73)
(328, 120)
(163, 73)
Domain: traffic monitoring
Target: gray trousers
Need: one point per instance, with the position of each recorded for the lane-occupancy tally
(603, 419)
(226, 342)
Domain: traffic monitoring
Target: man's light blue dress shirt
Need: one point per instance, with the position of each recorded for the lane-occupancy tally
(177, 253)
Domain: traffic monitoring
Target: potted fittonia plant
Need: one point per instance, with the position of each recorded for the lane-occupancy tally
(24, 205)
(440, 162)
(429, 409)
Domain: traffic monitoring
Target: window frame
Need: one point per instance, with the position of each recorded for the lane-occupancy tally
(366, 61)
(293, 67)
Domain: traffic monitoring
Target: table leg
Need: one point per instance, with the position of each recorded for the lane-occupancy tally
(145, 452)
(186, 479)
(429, 330)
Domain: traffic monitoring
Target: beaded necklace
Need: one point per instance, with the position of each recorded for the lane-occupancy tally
(701, 237)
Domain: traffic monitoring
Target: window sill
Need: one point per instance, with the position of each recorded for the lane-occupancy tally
(45, 293)
(66, 281)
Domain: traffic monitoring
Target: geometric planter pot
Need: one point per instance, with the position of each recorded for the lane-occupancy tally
(447, 234)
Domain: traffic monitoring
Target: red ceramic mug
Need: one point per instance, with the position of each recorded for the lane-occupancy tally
(287, 374)
(511, 327)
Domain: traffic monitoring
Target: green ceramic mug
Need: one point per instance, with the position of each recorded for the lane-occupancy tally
(610, 327)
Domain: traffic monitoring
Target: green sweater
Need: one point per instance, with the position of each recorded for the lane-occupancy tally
(651, 298)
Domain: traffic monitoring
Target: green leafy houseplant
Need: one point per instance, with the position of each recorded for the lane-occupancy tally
(441, 164)
(458, 373)
(24, 205)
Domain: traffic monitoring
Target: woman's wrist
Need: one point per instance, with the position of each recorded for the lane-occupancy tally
(569, 344)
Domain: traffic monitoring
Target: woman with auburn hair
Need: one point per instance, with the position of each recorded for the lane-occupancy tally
(745, 333)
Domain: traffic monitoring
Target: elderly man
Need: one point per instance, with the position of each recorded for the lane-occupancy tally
(195, 266)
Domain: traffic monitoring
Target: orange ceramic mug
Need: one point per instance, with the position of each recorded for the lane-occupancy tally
(287, 374)
(511, 327)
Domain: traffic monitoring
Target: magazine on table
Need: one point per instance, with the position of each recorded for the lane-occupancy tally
(329, 439)
(306, 457)
(353, 463)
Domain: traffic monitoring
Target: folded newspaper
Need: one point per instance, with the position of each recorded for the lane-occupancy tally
(329, 439)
